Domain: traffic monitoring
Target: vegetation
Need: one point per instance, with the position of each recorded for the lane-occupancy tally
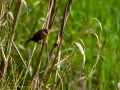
(80, 53)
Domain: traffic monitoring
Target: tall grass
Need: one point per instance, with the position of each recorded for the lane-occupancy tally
(84, 58)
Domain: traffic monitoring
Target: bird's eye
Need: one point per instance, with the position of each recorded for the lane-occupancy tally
(46, 31)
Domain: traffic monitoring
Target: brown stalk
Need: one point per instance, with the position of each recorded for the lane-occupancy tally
(53, 13)
(52, 18)
(3, 62)
(65, 74)
(41, 52)
(14, 24)
(45, 25)
(61, 34)
(16, 13)
(28, 66)
(14, 82)
(2, 5)
(22, 59)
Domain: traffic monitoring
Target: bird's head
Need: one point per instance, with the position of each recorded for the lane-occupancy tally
(46, 31)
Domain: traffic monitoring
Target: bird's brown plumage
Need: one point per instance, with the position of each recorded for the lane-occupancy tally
(41, 34)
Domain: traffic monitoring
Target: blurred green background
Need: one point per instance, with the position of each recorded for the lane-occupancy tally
(107, 72)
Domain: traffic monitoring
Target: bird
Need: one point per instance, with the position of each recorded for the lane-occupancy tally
(41, 34)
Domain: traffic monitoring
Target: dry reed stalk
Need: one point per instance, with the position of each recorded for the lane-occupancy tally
(28, 65)
(98, 52)
(45, 25)
(14, 24)
(3, 62)
(45, 40)
(60, 36)
(22, 59)
(52, 18)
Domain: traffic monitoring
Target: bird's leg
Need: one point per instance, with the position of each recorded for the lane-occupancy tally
(39, 42)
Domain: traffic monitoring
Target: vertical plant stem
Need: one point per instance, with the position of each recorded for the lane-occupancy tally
(3, 62)
(43, 46)
(61, 34)
(14, 24)
(45, 25)
(52, 18)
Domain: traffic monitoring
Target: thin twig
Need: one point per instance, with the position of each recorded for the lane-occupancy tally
(16, 14)
(22, 59)
(45, 25)
(61, 34)
(29, 64)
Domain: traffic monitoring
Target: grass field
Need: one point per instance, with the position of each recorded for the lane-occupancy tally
(93, 24)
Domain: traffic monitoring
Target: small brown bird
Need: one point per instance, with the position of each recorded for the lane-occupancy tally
(41, 34)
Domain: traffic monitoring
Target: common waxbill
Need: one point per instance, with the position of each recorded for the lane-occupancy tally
(41, 34)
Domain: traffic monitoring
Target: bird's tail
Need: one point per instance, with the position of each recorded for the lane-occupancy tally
(28, 40)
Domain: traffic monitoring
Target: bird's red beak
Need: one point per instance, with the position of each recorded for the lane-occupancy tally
(48, 33)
